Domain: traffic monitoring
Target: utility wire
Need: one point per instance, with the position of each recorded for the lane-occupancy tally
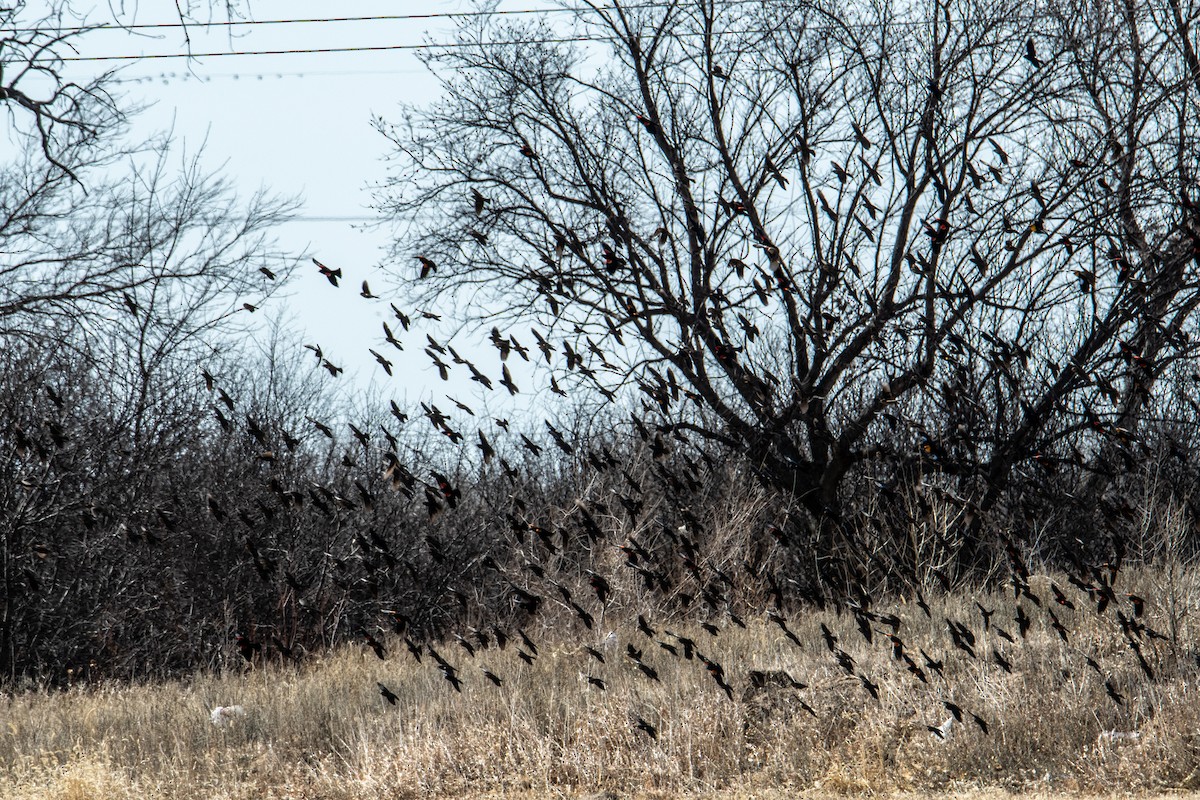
(443, 45)
(269, 74)
(111, 26)
(305, 21)
(312, 50)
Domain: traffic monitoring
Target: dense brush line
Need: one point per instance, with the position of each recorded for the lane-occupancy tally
(138, 543)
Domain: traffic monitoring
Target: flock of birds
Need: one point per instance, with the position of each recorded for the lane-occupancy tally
(687, 581)
(985, 638)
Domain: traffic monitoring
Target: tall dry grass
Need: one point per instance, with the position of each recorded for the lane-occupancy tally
(323, 730)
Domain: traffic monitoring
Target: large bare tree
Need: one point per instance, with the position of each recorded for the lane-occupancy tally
(948, 237)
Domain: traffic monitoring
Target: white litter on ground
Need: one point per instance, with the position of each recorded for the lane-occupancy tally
(224, 716)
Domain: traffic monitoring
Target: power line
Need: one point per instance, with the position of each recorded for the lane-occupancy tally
(301, 21)
(434, 45)
(311, 20)
(318, 218)
(189, 77)
(314, 50)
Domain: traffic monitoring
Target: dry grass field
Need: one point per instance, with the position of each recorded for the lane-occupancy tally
(323, 730)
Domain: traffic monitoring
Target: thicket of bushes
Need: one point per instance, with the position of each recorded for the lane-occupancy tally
(148, 525)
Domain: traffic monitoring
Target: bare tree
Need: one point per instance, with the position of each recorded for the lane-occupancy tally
(121, 272)
(948, 237)
(91, 223)
(63, 119)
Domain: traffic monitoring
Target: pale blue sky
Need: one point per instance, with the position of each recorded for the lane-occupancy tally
(300, 125)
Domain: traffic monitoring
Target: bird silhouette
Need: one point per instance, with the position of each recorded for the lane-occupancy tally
(332, 275)
(383, 362)
(646, 728)
(1031, 54)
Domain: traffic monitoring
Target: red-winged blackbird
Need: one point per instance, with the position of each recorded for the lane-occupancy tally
(525, 640)
(860, 135)
(247, 648)
(601, 587)
(331, 274)
(649, 671)
(915, 670)
(1059, 628)
(648, 124)
(383, 362)
(647, 728)
(387, 694)
(830, 638)
(1061, 598)
(452, 678)
(864, 627)
(772, 169)
(1022, 621)
(376, 645)
(986, 614)
(1031, 55)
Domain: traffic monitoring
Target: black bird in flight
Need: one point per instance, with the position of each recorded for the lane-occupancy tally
(1031, 54)
(332, 275)
(647, 728)
(383, 362)
(375, 645)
